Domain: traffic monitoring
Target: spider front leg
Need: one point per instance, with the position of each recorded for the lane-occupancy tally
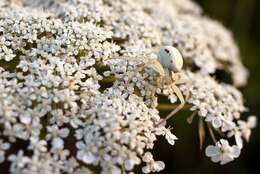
(176, 77)
(180, 96)
(187, 90)
(179, 107)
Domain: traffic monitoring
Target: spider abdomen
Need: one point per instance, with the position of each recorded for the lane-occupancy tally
(170, 58)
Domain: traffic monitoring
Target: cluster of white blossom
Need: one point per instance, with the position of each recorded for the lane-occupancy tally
(221, 105)
(117, 130)
(222, 152)
(71, 100)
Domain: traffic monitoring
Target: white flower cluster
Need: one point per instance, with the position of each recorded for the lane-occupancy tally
(222, 152)
(151, 165)
(68, 105)
(117, 130)
(221, 105)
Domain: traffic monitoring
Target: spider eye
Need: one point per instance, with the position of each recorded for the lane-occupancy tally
(167, 51)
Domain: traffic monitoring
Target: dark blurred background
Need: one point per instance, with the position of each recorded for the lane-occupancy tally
(242, 17)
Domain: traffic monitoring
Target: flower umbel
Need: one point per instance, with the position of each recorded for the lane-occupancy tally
(83, 84)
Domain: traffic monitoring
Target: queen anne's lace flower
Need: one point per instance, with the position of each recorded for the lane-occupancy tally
(246, 127)
(222, 152)
(125, 125)
(69, 91)
(151, 165)
(3, 147)
(219, 104)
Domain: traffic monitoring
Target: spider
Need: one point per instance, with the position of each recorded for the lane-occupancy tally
(168, 65)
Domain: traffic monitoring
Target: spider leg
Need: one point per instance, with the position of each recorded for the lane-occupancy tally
(178, 81)
(156, 66)
(187, 87)
(151, 63)
(129, 58)
(181, 81)
(187, 91)
(178, 108)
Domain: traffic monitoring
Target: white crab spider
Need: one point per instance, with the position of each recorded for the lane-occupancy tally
(168, 65)
(172, 62)
(170, 58)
